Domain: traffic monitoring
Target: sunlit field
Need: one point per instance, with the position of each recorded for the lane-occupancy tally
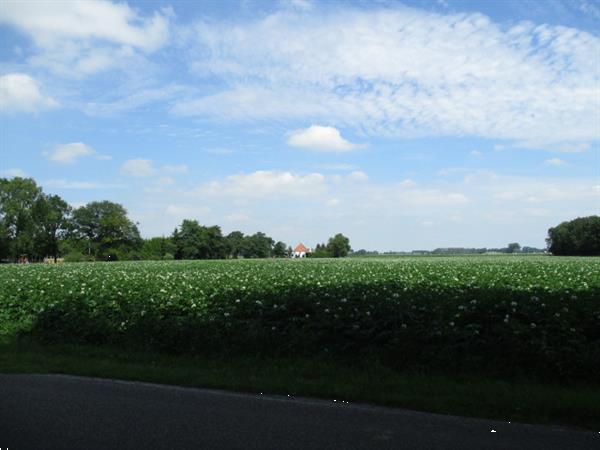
(533, 315)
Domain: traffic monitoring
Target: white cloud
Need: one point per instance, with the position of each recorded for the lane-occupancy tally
(175, 169)
(65, 184)
(476, 153)
(555, 162)
(408, 183)
(490, 210)
(138, 168)
(358, 175)
(86, 36)
(403, 72)
(20, 92)
(237, 217)
(143, 168)
(264, 183)
(69, 153)
(322, 138)
(336, 166)
(12, 173)
(186, 211)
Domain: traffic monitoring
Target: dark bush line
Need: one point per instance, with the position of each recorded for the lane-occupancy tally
(419, 328)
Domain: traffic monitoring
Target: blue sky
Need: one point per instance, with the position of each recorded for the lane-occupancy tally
(404, 125)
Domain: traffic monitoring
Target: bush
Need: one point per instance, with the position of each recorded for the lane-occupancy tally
(76, 256)
(578, 237)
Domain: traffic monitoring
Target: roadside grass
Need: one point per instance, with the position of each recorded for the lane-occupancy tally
(366, 381)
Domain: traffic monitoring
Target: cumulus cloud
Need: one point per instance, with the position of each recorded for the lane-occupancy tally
(138, 168)
(555, 162)
(358, 175)
(264, 183)
(86, 37)
(175, 169)
(21, 93)
(69, 153)
(143, 168)
(12, 173)
(66, 184)
(317, 137)
(403, 72)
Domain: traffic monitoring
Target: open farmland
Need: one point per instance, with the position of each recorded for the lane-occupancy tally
(527, 314)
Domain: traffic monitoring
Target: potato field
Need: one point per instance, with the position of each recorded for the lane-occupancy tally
(535, 315)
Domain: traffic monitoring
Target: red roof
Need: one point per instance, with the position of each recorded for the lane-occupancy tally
(300, 248)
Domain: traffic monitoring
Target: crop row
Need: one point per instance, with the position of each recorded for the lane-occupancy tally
(534, 315)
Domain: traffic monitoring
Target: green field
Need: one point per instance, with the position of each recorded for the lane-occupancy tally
(534, 318)
(530, 314)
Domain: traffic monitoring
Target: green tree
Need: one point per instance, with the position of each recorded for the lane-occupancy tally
(17, 223)
(157, 248)
(338, 246)
(513, 247)
(109, 233)
(194, 241)
(259, 245)
(52, 218)
(234, 243)
(579, 236)
(279, 250)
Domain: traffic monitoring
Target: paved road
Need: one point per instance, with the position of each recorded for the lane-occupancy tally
(65, 412)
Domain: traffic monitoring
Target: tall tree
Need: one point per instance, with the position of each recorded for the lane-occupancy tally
(17, 224)
(259, 245)
(194, 241)
(579, 236)
(110, 234)
(279, 250)
(52, 217)
(338, 246)
(234, 242)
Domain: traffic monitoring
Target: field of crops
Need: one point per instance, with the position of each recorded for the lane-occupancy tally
(532, 315)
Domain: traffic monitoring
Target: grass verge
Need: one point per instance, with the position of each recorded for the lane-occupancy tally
(366, 381)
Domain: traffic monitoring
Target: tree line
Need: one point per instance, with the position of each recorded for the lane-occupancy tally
(35, 225)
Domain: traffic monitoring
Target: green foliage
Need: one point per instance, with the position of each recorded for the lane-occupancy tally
(157, 248)
(234, 243)
(580, 236)
(106, 229)
(320, 251)
(194, 241)
(338, 246)
(531, 315)
(18, 197)
(279, 250)
(513, 247)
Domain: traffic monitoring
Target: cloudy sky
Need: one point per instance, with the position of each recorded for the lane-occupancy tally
(404, 125)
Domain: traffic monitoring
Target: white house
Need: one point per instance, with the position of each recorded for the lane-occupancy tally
(300, 251)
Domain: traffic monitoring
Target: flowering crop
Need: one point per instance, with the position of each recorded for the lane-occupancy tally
(537, 314)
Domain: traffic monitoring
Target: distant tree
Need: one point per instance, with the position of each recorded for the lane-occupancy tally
(259, 245)
(52, 216)
(158, 248)
(234, 244)
(17, 223)
(513, 247)
(580, 236)
(109, 233)
(194, 241)
(279, 250)
(338, 246)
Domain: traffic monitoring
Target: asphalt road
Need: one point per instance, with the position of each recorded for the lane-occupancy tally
(44, 412)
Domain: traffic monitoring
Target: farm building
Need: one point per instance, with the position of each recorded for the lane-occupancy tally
(300, 251)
